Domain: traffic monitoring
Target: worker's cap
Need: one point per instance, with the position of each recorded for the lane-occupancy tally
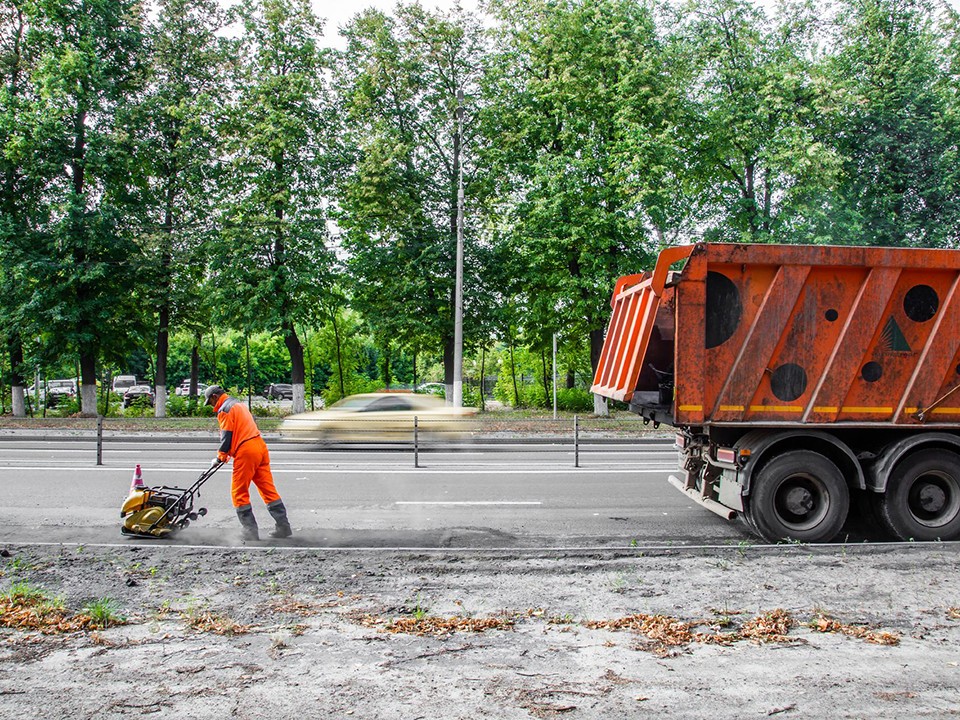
(211, 394)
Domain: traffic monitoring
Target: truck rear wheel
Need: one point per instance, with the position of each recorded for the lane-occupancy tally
(800, 495)
(922, 501)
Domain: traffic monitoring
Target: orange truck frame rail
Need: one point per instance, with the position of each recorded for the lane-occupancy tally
(852, 353)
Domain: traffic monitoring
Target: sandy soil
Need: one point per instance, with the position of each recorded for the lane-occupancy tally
(281, 633)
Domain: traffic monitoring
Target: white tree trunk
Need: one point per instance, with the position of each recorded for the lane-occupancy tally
(600, 408)
(88, 400)
(160, 401)
(299, 397)
(19, 404)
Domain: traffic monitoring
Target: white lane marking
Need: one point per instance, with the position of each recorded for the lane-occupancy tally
(468, 502)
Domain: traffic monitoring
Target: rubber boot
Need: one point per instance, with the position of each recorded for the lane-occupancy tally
(248, 523)
(279, 514)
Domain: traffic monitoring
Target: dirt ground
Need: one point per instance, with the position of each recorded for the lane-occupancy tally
(738, 632)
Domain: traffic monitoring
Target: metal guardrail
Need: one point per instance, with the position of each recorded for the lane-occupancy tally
(417, 434)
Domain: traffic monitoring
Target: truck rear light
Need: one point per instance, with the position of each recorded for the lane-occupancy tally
(681, 441)
(726, 455)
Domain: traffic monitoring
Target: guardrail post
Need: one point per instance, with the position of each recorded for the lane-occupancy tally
(576, 441)
(416, 443)
(99, 439)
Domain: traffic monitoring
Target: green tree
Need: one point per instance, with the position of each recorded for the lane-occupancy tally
(896, 124)
(20, 188)
(576, 85)
(752, 126)
(88, 71)
(400, 80)
(179, 149)
(270, 263)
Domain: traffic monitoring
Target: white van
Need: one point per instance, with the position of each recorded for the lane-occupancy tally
(122, 383)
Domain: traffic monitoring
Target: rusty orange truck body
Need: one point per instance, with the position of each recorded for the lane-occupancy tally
(803, 381)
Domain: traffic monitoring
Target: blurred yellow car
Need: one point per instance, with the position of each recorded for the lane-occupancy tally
(382, 416)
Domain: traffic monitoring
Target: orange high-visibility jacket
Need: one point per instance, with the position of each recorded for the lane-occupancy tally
(237, 425)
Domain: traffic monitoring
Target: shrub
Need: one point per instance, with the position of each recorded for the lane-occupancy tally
(177, 406)
(140, 407)
(353, 385)
(503, 390)
(65, 407)
(535, 396)
(471, 396)
(575, 400)
(203, 411)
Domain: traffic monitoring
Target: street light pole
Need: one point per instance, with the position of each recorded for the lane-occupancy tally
(458, 299)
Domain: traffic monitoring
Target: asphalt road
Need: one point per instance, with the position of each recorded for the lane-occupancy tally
(470, 496)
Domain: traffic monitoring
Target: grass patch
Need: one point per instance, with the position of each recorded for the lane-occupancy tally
(103, 613)
(28, 607)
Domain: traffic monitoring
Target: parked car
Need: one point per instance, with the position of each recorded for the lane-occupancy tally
(432, 388)
(122, 383)
(382, 416)
(135, 393)
(278, 391)
(59, 391)
(184, 388)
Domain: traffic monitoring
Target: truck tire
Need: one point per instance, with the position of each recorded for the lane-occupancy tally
(922, 501)
(800, 495)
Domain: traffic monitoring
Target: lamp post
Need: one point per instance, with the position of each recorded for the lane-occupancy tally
(458, 298)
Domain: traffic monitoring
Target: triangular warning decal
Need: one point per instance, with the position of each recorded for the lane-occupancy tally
(892, 338)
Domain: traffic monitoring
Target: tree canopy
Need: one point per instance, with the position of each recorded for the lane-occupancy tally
(178, 173)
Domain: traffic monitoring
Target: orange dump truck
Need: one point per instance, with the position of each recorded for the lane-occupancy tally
(805, 382)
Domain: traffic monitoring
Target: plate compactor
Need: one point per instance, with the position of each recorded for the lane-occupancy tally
(160, 512)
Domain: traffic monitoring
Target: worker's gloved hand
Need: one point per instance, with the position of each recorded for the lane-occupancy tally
(222, 457)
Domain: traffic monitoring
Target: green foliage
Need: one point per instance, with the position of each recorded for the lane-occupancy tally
(178, 406)
(575, 400)
(104, 612)
(140, 407)
(895, 124)
(471, 396)
(271, 262)
(353, 384)
(155, 174)
(400, 78)
(23, 592)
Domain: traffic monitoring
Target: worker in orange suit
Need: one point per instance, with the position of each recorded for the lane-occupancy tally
(240, 439)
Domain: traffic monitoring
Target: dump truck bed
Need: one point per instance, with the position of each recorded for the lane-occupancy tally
(799, 335)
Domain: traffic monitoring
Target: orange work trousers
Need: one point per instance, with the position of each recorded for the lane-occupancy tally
(252, 464)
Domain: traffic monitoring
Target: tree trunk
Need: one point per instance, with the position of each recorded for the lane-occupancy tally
(163, 329)
(295, 348)
(513, 376)
(546, 381)
(17, 383)
(88, 384)
(448, 352)
(163, 344)
(195, 367)
(313, 392)
(414, 369)
(336, 336)
(385, 367)
(483, 359)
(571, 379)
(246, 343)
(596, 349)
